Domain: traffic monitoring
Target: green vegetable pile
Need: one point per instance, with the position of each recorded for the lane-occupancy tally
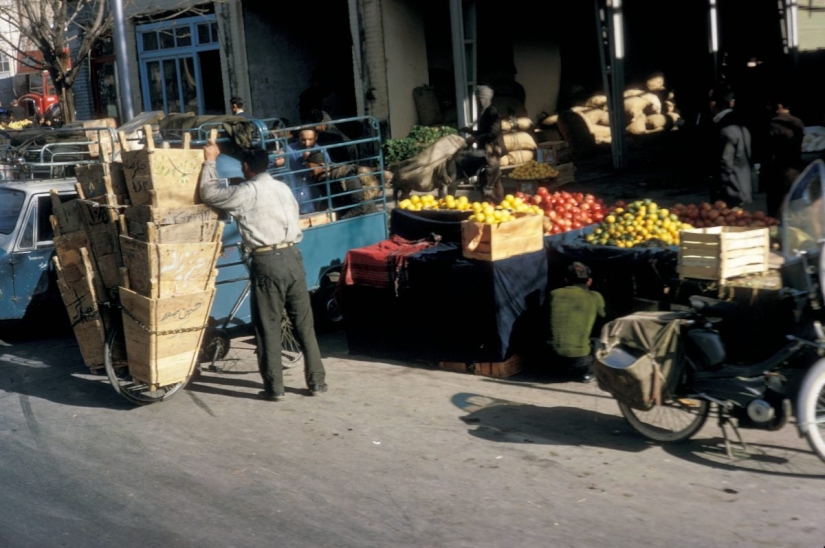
(418, 140)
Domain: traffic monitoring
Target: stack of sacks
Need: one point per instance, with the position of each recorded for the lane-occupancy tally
(520, 145)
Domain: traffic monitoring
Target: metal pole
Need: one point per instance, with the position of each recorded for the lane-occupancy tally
(127, 111)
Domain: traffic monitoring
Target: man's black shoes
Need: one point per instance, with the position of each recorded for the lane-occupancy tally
(264, 395)
(316, 389)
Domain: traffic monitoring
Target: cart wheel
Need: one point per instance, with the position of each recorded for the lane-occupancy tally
(135, 392)
(291, 353)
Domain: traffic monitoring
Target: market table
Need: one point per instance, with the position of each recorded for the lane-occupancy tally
(419, 297)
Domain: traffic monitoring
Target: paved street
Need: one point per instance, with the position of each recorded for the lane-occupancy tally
(395, 454)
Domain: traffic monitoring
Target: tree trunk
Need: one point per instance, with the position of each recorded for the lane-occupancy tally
(67, 105)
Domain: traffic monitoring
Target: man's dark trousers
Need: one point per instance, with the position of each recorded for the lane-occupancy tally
(279, 282)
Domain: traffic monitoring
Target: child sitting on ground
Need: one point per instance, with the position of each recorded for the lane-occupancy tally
(573, 312)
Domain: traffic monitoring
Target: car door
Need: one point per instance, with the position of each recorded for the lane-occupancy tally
(32, 254)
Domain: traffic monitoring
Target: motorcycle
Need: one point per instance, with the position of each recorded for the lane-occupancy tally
(764, 395)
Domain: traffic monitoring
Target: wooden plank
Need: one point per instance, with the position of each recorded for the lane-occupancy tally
(185, 232)
(103, 141)
(170, 215)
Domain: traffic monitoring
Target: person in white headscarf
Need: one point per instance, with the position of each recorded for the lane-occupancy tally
(488, 138)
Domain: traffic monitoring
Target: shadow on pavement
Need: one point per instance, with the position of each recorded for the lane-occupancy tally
(756, 457)
(52, 368)
(499, 420)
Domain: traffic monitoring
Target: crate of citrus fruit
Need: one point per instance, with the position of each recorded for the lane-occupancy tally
(498, 232)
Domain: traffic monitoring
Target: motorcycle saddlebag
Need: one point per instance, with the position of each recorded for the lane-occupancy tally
(640, 358)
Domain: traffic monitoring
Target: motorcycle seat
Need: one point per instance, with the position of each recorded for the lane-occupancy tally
(707, 306)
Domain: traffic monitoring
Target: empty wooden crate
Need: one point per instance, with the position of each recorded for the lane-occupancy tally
(164, 270)
(722, 252)
(197, 223)
(163, 177)
(163, 335)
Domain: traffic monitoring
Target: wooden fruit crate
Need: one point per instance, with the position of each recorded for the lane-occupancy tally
(163, 336)
(722, 252)
(75, 280)
(96, 180)
(163, 177)
(101, 140)
(554, 153)
(100, 222)
(163, 270)
(501, 370)
(316, 219)
(499, 241)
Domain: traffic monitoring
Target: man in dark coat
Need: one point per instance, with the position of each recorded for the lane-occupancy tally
(784, 156)
(731, 177)
(489, 139)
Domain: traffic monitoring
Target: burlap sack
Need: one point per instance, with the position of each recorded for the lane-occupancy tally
(522, 124)
(519, 141)
(656, 121)
(517, 157)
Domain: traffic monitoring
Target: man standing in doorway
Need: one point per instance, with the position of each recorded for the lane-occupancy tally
(236, 104)
(267, 217)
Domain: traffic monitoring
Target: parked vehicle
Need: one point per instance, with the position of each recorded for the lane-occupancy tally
(32, 163)
(765, 395)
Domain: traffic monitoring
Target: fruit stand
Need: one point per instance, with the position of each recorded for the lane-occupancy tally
(445, 302)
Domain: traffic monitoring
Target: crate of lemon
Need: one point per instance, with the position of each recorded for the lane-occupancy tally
(489, 232)
(640, 222)
(495, 233)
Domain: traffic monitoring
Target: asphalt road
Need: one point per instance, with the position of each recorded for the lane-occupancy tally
(398, 454)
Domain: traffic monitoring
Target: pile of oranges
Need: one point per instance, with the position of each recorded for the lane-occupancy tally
(639, 222)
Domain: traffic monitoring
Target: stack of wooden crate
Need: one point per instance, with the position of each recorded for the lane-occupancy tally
(87, 259)
(137, 234)
(170, 245)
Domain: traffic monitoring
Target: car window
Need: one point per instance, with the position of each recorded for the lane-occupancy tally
(11, 202)
(26, 240)
(45, 234)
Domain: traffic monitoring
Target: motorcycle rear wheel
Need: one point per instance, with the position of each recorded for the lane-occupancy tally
(812, 408)
(677, 419)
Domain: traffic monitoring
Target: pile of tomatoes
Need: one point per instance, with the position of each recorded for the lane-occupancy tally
(565, 211)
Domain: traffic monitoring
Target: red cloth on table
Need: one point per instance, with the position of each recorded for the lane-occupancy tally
(383, 264)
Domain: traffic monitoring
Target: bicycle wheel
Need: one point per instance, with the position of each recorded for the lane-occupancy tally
(677, 419)
(291, 353)
(811, 408)
(133, 391)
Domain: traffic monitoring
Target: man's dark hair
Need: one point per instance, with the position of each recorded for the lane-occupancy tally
(257, 159)
(315, 116)
(578, 273)
(312, 129)
(237, 101)
(316, 157)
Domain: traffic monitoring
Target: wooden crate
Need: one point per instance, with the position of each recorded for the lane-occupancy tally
(316, 219)
(163, 336)
(100, 216)
(499, 241)
(195, 231)
(75, 280)
(68, 216)
(554, 153)
(96, 180)
(163, 177)
(101, 139)
(163, 270)
(501, 370)
(722, 252)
